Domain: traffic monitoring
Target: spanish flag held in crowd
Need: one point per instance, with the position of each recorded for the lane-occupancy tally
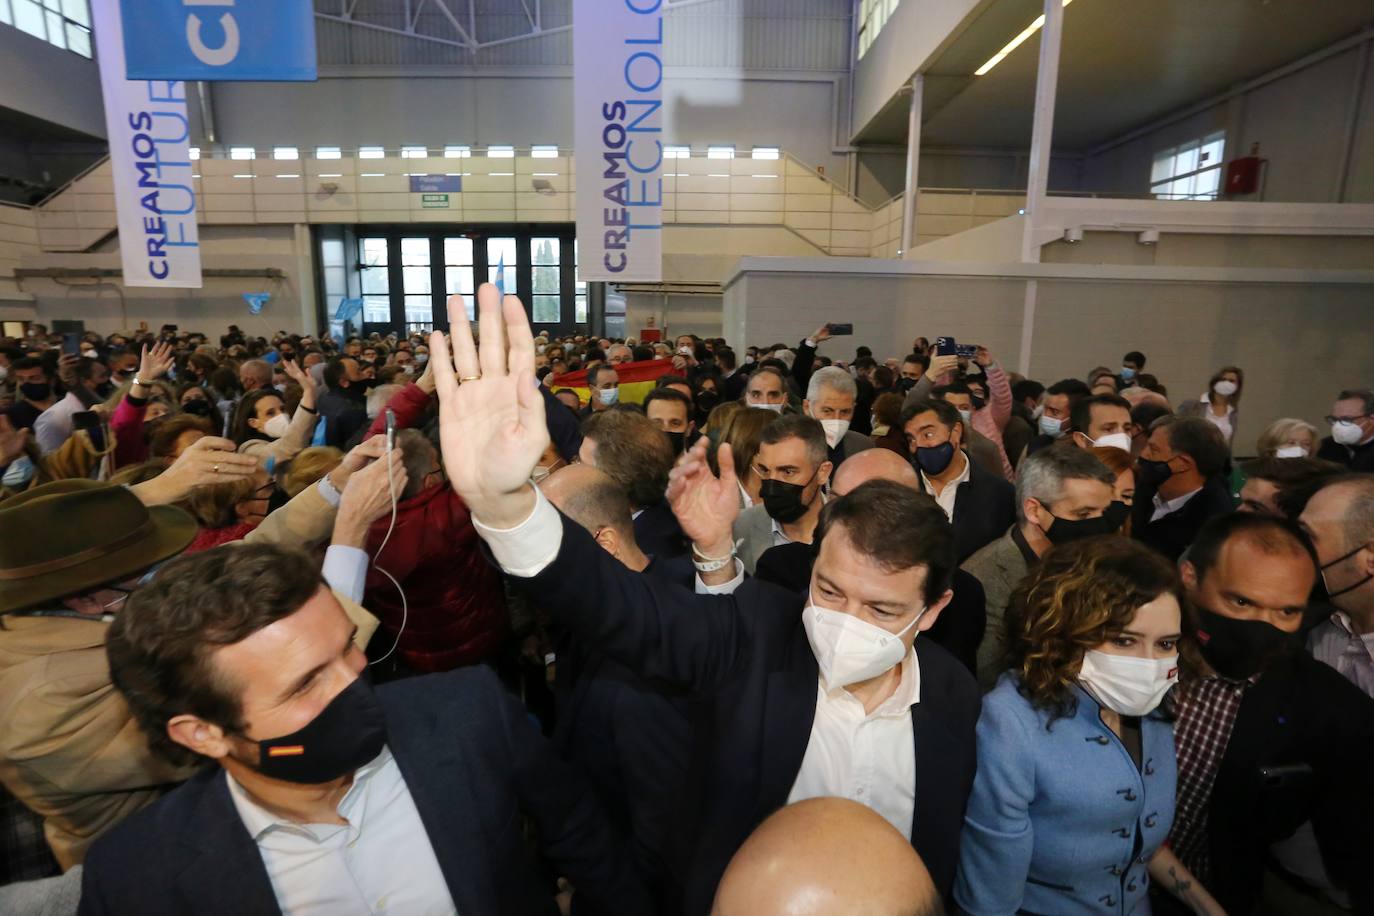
(636, 380)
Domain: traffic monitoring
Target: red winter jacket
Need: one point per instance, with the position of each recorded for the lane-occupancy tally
(457, 609)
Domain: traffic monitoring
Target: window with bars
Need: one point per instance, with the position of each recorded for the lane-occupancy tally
(65, 23)
(373, 264)
(415, 281)
(546, 302)
(1189, 171)
(459, 276)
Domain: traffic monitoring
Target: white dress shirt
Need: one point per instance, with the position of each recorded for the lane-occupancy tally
(1335, 642)
(1165, 507)
(947, 496)
(868, 758)
(1224, 423)
(54, 425)
(381, 861)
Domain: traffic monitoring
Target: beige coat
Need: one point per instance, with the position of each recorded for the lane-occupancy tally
(69, 747)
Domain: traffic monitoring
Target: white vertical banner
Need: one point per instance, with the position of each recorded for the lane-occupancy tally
(149, 133)
(618, 138)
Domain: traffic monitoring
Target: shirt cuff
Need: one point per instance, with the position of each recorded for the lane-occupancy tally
(525, 550)
(725, 588)
(345, 570)
(331, 495)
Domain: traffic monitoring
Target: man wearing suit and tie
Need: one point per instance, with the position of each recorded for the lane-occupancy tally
(795, 698)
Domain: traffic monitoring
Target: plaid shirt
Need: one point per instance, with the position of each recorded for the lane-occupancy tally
(1206, 710)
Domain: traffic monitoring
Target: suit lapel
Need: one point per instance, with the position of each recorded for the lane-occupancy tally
(439, 781)
(789, 710)
(226, 875)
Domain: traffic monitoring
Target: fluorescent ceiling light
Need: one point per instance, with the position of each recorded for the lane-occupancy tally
(193, 152)
(720, 152)
(414, 152)
(457, 152)
(765, 152)
(285, 152)
(677, 152)
(500, 152)
(242, 152)
(371, 152)
(544, 152)
(328, 152)
(1014, 43)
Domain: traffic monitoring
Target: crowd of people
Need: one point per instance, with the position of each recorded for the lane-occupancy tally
(466, 624)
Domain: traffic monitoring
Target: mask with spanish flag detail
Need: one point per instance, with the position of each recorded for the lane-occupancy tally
(348, 733)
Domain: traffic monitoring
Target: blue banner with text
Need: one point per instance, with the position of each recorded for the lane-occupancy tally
(261, 40)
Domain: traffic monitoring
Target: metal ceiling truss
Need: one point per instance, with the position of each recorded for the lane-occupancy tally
(451, 11)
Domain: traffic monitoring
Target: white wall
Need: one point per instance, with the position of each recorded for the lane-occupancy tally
(1298, 341)
(1299, 121)
(883, 174)
(47, 82)
(522, 111)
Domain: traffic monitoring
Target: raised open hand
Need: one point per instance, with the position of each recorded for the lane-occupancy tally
(491, 416)
(155, 362)
(302, 378)
(706, 506)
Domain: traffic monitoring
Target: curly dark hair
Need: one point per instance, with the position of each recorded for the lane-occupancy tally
(1075, 599)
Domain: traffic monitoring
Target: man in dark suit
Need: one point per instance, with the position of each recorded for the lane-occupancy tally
(344, 406)
(635, 453)
(1351, 442)
(1268, 737)
(981, 505)
(327, 795)
(961, 625)
(631, 738)
(775, 719)
(733, 376)
(1179, 483)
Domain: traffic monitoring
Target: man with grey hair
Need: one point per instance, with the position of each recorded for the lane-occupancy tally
(1062, 494)
(830, 397)
(255, 374)
(1339, 518)
(619, 353)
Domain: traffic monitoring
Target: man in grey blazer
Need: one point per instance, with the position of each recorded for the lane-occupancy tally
(830, 398)
(793, 466)
(1057, 490)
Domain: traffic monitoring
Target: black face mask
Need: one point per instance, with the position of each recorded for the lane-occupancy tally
(347, 733)
(906, 384)
(1239, 649)
(783, 501)
(1118, 512)
(1065, 530)
(707, 401)
(36, 391)
(977, 401)
(198, 407)
(105, 388)
(679, 441)
(1152, 473)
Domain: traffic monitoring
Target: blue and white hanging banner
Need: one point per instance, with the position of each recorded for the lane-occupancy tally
(266, 40)
(618, 138)
(149, 134)
(256, 301)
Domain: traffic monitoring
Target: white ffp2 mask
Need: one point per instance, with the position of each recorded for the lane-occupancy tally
(1114, 440)
(1128, 686)
(849, 650)
(834, 431)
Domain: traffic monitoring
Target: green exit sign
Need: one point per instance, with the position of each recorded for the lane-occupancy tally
(434, 201)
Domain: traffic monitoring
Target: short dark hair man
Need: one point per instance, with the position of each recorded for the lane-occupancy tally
(1102, 420)
(1267, 736)
(243, 658)
(1351, 442)
(603, 384)
(1056, 415)
(344, 406)
(764, 694)
(1131, 365)
(671, 411)
(981, 505)
(793, 463)
(1179, 484)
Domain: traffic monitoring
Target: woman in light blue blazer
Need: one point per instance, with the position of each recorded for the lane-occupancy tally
(1074, 795)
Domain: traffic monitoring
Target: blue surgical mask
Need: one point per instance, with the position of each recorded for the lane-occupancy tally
(1051, 426)
(19, 473)
(608, 396)
(1127, 373)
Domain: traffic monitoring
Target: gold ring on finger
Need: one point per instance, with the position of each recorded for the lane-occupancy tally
(469, 378)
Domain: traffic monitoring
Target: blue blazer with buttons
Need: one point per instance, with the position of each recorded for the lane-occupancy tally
(1052, 823)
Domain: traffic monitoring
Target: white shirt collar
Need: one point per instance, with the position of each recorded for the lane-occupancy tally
(777, 526)
(258, 820)
(1207, 399)
(907, 694)
(962, 478)
(1178, 502)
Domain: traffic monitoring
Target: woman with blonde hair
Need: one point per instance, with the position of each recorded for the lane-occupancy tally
(1074, 792)
(1288, 437)
(1120, 463)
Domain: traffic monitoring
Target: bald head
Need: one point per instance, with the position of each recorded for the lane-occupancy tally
(826, 857)
(873, 464)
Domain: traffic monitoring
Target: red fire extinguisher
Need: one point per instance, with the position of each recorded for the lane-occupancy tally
(1243, 174)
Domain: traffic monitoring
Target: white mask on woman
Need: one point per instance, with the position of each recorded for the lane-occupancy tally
(1290, 451)
(1126, 685)
(1225, 387)
(849, 650)
(276, 426)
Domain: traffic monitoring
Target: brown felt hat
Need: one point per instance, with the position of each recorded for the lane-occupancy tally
(72, 536)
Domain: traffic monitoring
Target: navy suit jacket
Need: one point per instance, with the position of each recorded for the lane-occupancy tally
(472, 762)
(658, 533)
(984, 508)
(746, 660)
